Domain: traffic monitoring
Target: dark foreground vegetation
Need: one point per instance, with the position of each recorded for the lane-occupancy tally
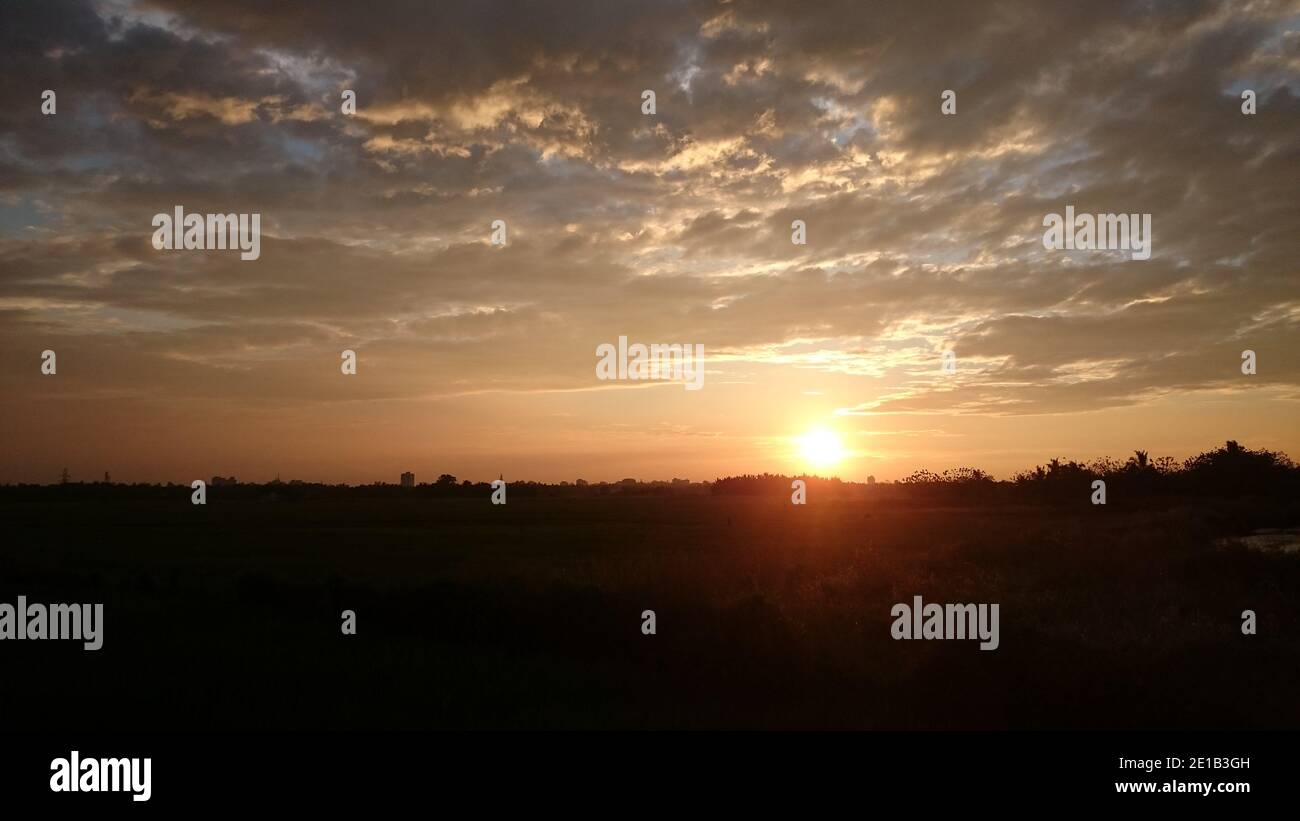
(770, 615)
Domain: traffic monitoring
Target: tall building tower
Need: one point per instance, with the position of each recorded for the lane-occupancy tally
(408, 479)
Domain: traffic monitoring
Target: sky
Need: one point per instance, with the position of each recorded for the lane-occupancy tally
(924, 234)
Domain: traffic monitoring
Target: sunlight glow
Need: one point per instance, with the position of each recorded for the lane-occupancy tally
(821, 448)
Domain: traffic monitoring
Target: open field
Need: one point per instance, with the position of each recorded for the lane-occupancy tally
(528, 615)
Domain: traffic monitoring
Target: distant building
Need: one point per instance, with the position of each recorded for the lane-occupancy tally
(408, 479)
(218, 481)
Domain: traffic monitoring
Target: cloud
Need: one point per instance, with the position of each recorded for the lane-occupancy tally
(923, 230)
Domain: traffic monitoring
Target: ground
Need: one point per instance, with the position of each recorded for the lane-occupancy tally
(528, 615)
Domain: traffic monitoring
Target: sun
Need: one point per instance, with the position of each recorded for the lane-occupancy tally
(821, 448)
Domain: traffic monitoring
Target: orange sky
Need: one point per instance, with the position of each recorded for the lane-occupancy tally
(924, 234)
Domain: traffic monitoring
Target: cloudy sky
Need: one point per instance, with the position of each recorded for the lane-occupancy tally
(924, 234)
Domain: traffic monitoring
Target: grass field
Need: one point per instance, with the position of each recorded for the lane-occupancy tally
(529, 615)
